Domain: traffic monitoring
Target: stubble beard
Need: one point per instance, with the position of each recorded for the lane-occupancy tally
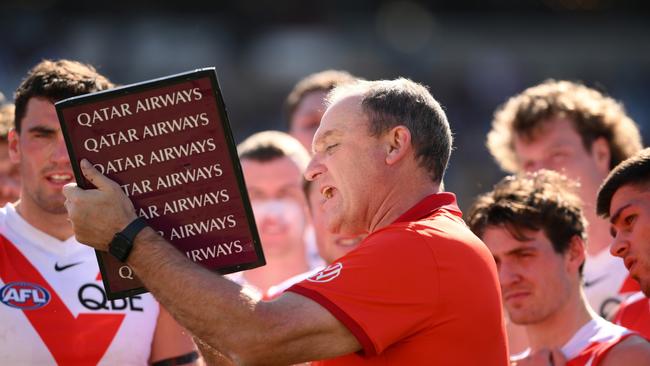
(53, 204)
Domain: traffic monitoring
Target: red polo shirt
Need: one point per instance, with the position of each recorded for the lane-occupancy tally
(421, 291)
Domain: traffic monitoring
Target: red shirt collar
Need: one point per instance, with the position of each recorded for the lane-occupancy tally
(429, 204)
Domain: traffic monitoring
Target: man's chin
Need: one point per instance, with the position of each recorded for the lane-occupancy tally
(53, 207)
(58, 210)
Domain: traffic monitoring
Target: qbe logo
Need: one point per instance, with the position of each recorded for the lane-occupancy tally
(24, 295)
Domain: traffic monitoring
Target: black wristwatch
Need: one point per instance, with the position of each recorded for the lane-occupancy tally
(122, 243)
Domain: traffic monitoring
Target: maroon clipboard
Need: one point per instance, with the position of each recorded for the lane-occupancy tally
(169, 145)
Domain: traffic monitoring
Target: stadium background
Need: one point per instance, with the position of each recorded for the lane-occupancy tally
(472, 54)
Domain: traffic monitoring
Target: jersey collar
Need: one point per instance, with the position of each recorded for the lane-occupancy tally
(431, 203)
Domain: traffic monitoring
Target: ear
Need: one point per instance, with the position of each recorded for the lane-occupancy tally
(575, 254)
(398, 143)
(14, 143)
(601, 153)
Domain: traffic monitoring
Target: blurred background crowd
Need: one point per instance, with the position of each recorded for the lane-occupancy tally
(472, 55)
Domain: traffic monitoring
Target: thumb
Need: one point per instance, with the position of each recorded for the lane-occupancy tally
(69, 190)
(95, 177)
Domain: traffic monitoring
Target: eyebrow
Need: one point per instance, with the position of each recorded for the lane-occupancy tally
(325, 136)
(617, 214)
(519, 250)
(42, 129)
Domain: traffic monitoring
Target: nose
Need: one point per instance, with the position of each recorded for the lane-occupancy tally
(619, 247)
(314, 169)
(508, 274)
(60, 152)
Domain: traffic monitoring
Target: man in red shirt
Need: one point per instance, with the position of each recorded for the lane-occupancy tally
(624, 198)
(421, 289)
(534, 227)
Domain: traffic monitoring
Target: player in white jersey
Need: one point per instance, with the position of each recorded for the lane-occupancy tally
(576, 130)
(589, 346)
(272, 163)
(53, 307)
(53, 300)
(534, 227)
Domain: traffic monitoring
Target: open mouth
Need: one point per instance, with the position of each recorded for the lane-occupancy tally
(327, 192)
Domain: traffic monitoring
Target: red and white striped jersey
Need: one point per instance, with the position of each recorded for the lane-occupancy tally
(54, 309)
(634, 314)
(590, 344)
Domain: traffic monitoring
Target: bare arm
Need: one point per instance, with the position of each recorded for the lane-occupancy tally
(288, 330)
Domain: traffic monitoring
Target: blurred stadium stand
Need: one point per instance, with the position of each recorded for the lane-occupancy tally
(472, 55)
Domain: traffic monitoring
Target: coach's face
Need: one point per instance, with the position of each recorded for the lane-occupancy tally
(535, 280)
(348, 168)
(630, 219)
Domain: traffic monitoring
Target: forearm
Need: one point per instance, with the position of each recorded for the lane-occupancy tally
(208, 305)
(218, 312)
(288, 330)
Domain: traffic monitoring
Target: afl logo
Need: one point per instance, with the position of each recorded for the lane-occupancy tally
(24, 295)
(331, 272)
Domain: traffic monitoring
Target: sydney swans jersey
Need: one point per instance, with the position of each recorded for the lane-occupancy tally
(53, 306)
(607, 283)
(591, 343)
(634, 314)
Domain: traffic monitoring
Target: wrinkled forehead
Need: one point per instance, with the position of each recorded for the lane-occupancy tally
(342, 115)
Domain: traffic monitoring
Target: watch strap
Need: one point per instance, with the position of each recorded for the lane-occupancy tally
(122, 243)
(132, 229)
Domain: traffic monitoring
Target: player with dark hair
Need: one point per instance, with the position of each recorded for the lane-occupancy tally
(624, 198)
(534, 227)
(54, 308)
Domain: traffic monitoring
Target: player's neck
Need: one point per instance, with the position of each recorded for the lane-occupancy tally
(55, 225)
(277, 269)
(557, 329)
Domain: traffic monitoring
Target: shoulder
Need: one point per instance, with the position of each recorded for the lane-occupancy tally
(278, 289)
(440, 227)
(631, 351)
